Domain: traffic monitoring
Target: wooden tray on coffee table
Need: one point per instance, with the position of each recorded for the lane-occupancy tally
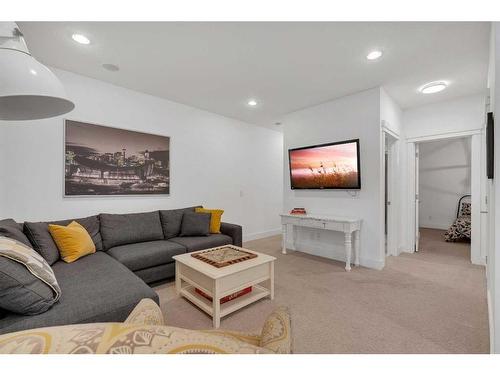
(224, 256)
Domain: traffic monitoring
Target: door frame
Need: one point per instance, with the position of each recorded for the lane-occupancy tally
(477, 145)
(392, 190)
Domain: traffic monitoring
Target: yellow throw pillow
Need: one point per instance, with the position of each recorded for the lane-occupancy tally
(73, 241)
(215, 218)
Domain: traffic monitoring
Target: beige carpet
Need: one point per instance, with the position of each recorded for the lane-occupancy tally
(430, 302)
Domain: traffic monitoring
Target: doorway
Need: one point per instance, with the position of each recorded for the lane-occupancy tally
(436, 187)
(443, 188)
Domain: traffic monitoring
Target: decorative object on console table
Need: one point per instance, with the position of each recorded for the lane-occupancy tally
(101, 160)
(348, 225)
(298, 211)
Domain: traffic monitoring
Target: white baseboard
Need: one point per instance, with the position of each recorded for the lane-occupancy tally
(259, 235)
(481, 261)
(440, 226)
(404, 249)
(371, 263)
(491, 321)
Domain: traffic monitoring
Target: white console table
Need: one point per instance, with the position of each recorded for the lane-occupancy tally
(348, 226)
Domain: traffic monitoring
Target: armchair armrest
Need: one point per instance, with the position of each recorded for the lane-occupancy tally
(234, 231)
(146, 312)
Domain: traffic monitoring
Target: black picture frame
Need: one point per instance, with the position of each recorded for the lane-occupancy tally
(106, 161)
(358, 187)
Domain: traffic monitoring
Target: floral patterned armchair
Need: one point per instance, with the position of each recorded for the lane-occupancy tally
(144, 332)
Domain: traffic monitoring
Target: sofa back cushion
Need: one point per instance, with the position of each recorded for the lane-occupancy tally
(9, 228)
(171, 221)
(195, 224)
(27, 283)
(122, 229)
(42, 241)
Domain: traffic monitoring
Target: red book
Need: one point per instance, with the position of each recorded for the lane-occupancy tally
(298, 211)
(226, 298)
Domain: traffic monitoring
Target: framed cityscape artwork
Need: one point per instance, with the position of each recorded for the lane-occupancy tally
(106, 161)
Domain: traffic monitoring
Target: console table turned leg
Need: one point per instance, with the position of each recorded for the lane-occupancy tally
(283, 232)
(356, 248)
(348, 250)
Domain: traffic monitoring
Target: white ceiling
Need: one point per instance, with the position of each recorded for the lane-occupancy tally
(285, 66)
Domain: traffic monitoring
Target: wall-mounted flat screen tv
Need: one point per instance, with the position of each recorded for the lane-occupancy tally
(326, 166)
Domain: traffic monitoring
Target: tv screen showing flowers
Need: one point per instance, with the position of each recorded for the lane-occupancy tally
(326, 166)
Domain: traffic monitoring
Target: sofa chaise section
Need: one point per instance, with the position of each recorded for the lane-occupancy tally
(96, 288)
(151, 260)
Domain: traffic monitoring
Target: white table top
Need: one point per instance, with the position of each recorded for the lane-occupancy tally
(348, 219)
(214, 272)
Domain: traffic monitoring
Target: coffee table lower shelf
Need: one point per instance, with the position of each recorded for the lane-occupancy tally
(258, 292)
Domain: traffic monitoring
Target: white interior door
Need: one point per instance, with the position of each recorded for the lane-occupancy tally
(417, 227)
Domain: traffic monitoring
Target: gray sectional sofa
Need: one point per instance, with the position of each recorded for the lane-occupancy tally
(133, 250)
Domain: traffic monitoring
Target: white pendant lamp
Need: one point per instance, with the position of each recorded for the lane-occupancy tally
(28, 89)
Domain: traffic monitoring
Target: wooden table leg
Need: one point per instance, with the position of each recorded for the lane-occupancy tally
(216, 305)
(271, 280)
(178, 281)
(356, 248)
(283, 232)
(348, 250)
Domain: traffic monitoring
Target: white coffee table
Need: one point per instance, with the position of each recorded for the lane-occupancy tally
(191, 273)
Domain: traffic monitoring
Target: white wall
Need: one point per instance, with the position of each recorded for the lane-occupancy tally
(493, 263)
(445, 172)
(452, 116)
(354, 116)
(390, 113)
(215, 161)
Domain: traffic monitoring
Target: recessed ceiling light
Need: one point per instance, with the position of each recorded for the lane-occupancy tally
(374, 55)
(433, 87)
(79, 38)
(111, 67)
(252, 102)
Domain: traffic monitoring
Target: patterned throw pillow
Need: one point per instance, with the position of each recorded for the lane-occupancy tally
(465, 209)
(27, 283)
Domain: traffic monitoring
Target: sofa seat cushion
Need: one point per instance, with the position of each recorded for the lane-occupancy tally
(201, 243)
(123, 229)
(138, 256)
(95, 288)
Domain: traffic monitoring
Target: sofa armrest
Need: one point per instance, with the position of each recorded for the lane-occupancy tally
(234, 231)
